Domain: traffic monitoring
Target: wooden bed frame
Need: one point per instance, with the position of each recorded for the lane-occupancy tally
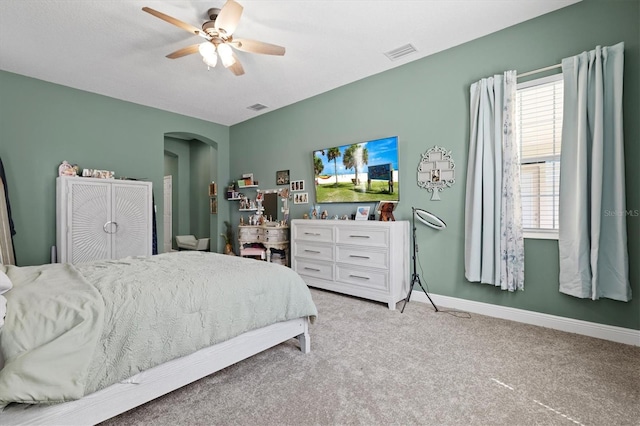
(157, 381)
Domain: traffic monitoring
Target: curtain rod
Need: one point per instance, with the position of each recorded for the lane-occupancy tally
(540, 70)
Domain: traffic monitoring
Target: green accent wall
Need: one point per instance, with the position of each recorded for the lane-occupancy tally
(42, 124)
(426, 103)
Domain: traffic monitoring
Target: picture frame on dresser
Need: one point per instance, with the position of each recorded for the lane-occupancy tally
(362, 212)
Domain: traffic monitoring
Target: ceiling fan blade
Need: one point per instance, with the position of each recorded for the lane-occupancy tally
(183, 52)
(236, 68)
(254, 46)
(178, 23)
(229, 17)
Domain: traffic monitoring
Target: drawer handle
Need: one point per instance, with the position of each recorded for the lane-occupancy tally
(312, 233)
(358, 276)
(311, 251)
(359, 236)
(312, 269)
(359, 257)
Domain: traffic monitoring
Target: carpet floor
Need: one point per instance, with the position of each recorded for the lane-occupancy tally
(372, 366)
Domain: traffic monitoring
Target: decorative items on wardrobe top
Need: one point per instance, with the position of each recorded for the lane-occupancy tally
(67, 169)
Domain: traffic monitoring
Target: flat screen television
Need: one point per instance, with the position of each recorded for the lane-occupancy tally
(360, 172)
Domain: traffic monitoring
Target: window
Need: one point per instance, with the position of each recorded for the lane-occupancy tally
(539, 136)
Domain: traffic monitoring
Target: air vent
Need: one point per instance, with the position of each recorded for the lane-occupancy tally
(400, 52)
(257, 107)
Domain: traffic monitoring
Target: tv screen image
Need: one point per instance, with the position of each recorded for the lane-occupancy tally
(360, 172)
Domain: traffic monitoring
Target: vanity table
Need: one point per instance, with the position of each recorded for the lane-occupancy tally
(270, 235)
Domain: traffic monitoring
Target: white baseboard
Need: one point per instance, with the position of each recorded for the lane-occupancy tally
(601, 331)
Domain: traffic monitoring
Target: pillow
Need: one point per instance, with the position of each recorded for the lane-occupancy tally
(5, 283)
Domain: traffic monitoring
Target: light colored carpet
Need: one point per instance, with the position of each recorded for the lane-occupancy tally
(372, 366)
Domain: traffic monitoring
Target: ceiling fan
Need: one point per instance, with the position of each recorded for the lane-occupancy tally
(218, 35)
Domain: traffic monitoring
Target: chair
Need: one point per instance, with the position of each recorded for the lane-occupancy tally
(190, 242)
(254, 252)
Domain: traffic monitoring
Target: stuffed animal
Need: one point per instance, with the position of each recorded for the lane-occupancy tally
(386, 212)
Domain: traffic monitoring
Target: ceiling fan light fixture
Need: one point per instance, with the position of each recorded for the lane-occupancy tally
(208, 52)
(218, 33)
(226, 55)
(211, 62)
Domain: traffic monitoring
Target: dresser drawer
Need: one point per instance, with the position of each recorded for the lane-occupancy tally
(248, 232)
(362, 257)
(314, 251)
(313, 269)
(364, 236)
(313, 233)
(372, 279)
(275, 235)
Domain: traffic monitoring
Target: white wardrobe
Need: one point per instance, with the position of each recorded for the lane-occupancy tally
(102, 219)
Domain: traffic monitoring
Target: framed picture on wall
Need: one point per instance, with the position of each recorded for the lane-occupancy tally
(282, 177)
(213, 205)
(297, 185)
(301, 198)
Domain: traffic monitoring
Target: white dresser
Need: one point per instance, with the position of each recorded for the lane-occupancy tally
(367, 259)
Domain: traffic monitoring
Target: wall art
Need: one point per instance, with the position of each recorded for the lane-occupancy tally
(436, 171)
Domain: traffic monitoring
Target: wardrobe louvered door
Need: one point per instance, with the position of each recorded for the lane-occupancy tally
(102, 219)
(132, 214)
(89, 207)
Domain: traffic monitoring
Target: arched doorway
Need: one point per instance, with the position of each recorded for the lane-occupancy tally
(191, 161)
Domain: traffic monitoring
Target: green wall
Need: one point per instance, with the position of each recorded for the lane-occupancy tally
(42, 124)
(426, 103)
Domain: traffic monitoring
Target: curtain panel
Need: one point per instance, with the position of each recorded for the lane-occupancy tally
(494, 246)
(593, 227)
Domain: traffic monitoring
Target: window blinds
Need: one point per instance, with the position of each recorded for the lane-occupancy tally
(539, 135)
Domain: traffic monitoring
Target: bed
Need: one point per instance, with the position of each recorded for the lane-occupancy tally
(83, 343)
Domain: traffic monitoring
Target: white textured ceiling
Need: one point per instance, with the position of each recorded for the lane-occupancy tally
(113, 48)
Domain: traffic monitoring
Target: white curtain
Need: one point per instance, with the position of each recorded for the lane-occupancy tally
(593, 227)
(494, 247)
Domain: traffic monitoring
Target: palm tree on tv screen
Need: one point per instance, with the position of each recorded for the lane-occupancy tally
(355, 156)
(333, 154)
(317, 165)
